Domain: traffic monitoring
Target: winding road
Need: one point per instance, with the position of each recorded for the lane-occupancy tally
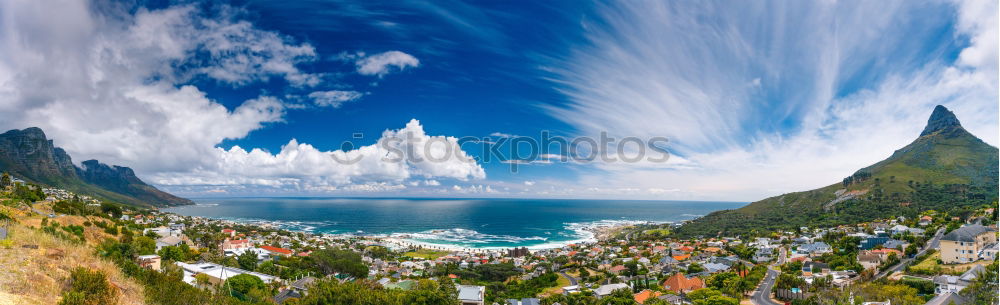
(931, 244)
(572, 280)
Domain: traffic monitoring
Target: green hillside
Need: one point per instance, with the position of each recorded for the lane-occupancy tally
(946, 168)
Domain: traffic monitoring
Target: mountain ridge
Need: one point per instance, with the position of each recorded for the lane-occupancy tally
(944, 168)
(29, 155)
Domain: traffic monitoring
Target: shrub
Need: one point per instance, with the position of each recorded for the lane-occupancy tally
(89, 287)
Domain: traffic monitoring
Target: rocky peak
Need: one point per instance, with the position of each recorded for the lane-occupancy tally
(941, 119)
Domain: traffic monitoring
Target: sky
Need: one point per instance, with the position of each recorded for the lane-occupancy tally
(719, 100)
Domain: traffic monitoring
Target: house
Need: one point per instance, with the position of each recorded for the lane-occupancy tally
(646, 294)
(525, 301)
(925, 220)
(471, 295)
(229, 245)
(302, 285)
(167, 242)
(763, 254)
(955, 284)
(966, 244)
(895, 244)
(673, 299)
(275, 251)
(571, 289)
(217, 274)
(682, 284)
(715, 267)
(606, 290)
(617, 269)
(149, 261)
(230, 232)
(815, 248)
(872, 241)
(286, 294)
(870, 260)
(810, 268)
(950, 298)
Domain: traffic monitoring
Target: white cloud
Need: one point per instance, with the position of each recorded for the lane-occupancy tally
(398, 155)
(334, 98)
(384, 63)
(122, 88)
(755, 110)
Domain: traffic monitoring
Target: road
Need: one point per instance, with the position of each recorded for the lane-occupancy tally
(931, 244)
(763, 294)
(572, 280)
(781, 256)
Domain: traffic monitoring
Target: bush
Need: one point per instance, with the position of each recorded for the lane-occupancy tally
(89, 287)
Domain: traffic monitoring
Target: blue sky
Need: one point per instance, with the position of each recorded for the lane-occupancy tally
(756, 99)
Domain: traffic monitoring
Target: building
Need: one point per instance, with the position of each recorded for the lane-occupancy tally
(518, 252)
(525, 301)
(606, 290)
(168, 242)
(871, 242)
(149, 261)
(217, 274)
(645, 295)
(275, 251)
(471, 295)
(230, 245)
(954, 284)
(682, 284)
(966, 244)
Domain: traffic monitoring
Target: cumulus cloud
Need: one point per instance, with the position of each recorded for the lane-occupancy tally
(386, 62)
(398, 155)
(760, 99)
(121, 85)
(334, 98)
(114, 86)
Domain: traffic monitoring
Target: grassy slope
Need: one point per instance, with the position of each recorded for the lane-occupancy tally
(40, 276)
(946, 157)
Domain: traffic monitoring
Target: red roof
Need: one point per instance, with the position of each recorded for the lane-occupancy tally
(227, 230)
(680, 283)
(276, 249)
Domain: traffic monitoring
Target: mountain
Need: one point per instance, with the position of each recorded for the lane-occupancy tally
(29, 155)
(946, 168)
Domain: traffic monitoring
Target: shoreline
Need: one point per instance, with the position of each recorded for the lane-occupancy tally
(588, 233)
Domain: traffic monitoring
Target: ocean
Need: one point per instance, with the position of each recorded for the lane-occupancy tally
(468, 223)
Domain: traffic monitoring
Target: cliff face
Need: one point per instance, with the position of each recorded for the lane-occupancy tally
(29, 155)
(122, 180)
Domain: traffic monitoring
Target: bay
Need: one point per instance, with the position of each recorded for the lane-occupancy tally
(470, 223)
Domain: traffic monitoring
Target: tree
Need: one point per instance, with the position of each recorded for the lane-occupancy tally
(5, 180)
(709, 296)
(202, 279)
(143, 245)
(247, 260)
(694, 268)
(633, 268)
(331, 261)
(243, 285)
(172, 253)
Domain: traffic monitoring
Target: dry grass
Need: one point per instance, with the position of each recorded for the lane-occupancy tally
(40, 276)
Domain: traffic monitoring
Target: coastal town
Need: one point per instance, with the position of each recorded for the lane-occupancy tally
(935, 258)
